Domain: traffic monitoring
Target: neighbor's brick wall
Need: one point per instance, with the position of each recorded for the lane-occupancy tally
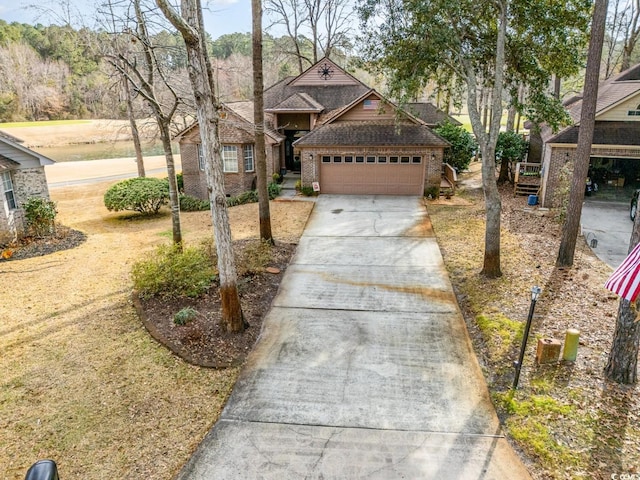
(559, 158)
(433, 167)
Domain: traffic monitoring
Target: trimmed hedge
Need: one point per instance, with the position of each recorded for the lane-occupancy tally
(141, 194)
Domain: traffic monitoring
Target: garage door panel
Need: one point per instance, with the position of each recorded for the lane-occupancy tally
(372, 178)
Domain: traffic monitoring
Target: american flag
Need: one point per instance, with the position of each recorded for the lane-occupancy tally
(625, 280)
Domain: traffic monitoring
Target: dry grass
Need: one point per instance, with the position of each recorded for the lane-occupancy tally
(83, 383)
(567, 419)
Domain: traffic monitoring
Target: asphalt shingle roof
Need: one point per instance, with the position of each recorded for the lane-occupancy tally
(605, 133)
(329, 97)
(429, 113)
(372, 133)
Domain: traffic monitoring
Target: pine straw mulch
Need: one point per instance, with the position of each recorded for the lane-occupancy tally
(203, 341)
(64, 238)
(567, 420)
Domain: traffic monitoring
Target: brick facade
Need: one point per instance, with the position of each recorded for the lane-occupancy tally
(27, 183)
(559, 156)
(195, 182)
(433, 160)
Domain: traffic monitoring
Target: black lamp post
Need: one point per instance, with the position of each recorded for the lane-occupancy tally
(535, 293)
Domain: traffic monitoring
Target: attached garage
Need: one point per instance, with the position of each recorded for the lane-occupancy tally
(372, 174)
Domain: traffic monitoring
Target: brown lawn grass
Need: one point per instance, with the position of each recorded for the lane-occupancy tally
(82, 381)
(567, 420)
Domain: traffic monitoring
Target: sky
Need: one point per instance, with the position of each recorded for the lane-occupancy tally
(220, 16)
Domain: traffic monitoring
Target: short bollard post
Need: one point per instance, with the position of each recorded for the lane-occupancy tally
(571, 341)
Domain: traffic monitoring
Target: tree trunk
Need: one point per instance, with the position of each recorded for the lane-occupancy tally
(585, 136)
(191, 27)
(623, 356)
(557, 83)
(511, 118)
(174, 198)
(134, 128)
(258, 119)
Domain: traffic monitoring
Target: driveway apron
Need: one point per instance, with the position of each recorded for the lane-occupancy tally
(364, 368)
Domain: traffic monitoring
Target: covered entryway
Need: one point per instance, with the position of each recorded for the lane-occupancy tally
(372, 175)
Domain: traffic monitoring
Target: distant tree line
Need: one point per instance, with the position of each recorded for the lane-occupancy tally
(58, 72)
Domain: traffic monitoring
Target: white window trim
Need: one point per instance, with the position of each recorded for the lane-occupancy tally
(200, 157)
(229, 158)
(249, 149)
(7, 188)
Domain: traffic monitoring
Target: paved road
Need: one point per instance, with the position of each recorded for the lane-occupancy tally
(609, 224)
(64, 174)
(364, 368)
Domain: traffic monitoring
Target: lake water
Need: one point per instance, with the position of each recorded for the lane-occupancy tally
(99, 151)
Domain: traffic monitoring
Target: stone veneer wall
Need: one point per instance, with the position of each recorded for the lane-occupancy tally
(433, 166)
(27, 183)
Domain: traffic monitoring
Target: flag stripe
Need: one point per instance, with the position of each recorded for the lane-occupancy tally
(625, 280)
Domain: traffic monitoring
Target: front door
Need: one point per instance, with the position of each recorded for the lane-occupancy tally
(291, 160)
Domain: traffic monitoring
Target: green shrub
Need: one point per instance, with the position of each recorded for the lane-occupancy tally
(184, 316)
(254, 257)
(180, 182)
(193, 204)
(40, 214)
(140, 194)
(299, 185)
(274, 190)
(463, 145)
(307, 190)
(169, 272)
(432, 192)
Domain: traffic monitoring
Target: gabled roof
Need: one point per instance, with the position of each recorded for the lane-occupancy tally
(325, 71)
(243, 111)
(7, 164)
(336, 114)
(430, 114)
(298, 102)
(372, 133)
(16, 143)
(611, 93)
(330, 95)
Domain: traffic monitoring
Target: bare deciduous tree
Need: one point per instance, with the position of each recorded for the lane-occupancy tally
(190, 25)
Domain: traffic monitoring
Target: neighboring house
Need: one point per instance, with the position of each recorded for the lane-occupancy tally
(21, 177)
(237, 150)
(615, 148)
(342, 136)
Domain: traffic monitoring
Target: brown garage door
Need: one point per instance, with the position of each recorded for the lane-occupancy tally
(385, 175)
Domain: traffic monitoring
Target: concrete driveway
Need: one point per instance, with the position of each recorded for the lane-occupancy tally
(608, 223)
(364, 368)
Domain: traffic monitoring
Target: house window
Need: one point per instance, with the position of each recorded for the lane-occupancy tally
(359, 159)
(200, 157)
(382, 159)
(393, 159)
(337, 159)
(348, 159)
(326, 159)
(230, 158)
(416, 160)
(634, 113)
(371, 159)
(7, 187)
(248, 158)
(404, 159)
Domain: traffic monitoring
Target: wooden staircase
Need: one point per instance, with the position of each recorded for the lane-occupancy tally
(527, 179)
(448, 180)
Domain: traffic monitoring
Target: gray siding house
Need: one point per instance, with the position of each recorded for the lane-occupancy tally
(21, 177)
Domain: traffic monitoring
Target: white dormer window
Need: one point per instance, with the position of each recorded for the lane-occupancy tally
(634, 113)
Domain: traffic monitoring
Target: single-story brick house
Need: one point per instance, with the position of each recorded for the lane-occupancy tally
(21, 177)
(615, 150)
(341, 135)
(237, 142)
